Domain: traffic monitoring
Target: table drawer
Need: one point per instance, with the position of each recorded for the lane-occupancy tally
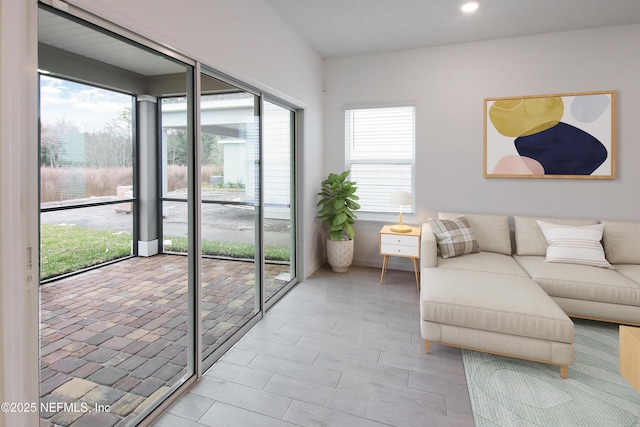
(402, 250)
(395, 239)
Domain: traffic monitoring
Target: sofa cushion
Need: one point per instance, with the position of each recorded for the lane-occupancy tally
(491, 231)
(558, 353)
(492, 302)
(616, 313)
(632, 271)
(484, 261)
(574, 245)
(455, 236)
(581, 282)
(621, 241)
(529, 237)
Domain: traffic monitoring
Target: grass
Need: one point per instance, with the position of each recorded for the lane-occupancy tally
(68, 248)
(229, 249)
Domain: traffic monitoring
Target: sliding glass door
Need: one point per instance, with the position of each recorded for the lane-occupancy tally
(230, 211)
(118, 337)
(278, 124)
(201, 197)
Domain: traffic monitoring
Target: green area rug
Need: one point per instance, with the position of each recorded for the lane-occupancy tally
(512, 392)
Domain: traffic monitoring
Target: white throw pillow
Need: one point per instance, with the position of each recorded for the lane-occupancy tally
(574, 245)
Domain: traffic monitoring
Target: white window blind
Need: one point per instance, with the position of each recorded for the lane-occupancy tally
(380, 153)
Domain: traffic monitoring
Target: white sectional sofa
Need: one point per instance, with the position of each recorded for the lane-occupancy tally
(510, 296)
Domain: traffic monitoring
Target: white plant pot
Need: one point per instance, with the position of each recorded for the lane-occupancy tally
(339, 254)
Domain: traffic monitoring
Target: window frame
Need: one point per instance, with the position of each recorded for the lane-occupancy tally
(349, 161)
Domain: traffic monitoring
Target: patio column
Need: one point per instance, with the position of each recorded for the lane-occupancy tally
(147, 191)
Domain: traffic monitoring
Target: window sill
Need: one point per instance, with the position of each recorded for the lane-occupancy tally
(409, 219)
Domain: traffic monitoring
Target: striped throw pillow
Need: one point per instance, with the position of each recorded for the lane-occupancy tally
(575, 245)
(454, 236)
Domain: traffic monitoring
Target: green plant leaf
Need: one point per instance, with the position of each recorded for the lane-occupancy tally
(350, 191)
(336, 235)
(349, 231)
(353, 205)
(335, 227)
(340, 219)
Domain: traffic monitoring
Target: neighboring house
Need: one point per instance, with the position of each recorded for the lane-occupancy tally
(231, 117)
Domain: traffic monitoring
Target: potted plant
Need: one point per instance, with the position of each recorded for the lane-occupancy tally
(337, 203)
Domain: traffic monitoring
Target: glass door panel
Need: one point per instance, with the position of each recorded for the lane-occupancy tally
(279, 224)
(230, 142)
(114, 337)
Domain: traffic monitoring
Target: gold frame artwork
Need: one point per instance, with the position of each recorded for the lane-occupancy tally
(569, 135)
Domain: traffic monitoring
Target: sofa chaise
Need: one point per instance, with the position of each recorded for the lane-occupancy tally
(486, 286)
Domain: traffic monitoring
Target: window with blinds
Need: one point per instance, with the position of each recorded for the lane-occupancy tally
(380, 147)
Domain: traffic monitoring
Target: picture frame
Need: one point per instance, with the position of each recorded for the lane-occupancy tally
(569, 135)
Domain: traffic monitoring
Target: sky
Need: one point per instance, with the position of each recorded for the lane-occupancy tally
(89, 107)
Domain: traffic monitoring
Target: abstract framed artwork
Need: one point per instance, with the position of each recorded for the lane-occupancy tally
(568, 135)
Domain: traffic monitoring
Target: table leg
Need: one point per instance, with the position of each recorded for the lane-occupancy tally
(417, 271)
(384, 267)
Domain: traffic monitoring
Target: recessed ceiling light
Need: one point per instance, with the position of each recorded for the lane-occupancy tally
(469, 7)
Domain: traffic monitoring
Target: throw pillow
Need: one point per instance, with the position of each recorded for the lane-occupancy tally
(454, 236)
(575, 245)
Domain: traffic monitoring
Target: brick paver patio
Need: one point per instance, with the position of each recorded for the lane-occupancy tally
(116, 336)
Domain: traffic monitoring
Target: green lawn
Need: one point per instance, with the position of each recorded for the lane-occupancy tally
(68, 248)
(229, 249)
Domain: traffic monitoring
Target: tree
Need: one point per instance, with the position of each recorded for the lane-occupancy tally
(176, 147)
(53, 140)
(112, 145)
(212, 153)
(49, 145)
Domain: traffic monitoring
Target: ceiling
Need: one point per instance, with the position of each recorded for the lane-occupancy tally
(354, 27)
(68, 35)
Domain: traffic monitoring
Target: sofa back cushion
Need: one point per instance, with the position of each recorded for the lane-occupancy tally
(529, 237)
(491, 231)
(621, 241)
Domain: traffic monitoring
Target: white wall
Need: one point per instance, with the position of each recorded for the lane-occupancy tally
(448, 85)
(244, 39)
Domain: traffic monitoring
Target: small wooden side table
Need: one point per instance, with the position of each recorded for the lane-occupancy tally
(630, 355)
(405, 245)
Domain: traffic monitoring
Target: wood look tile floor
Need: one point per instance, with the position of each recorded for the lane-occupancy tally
(339, 350)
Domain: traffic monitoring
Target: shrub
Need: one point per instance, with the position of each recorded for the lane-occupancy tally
(58, 184)
(177, 177)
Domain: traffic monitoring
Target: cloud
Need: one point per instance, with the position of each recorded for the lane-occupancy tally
(85, 105)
